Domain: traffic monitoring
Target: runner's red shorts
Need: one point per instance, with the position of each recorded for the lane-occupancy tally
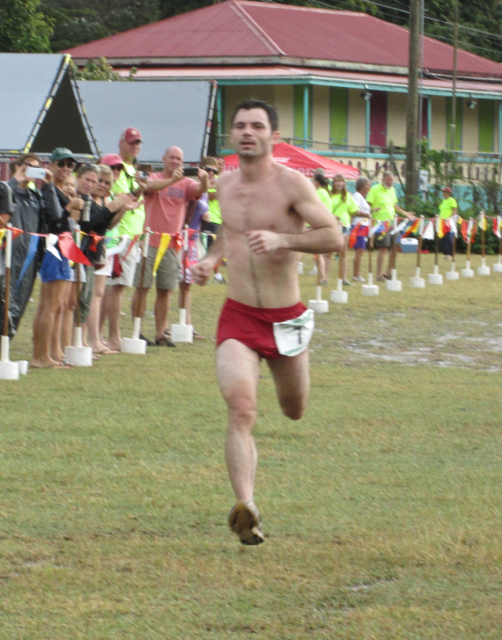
(254, 326)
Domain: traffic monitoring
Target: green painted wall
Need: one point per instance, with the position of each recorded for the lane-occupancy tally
(486, 111)
(338, 115)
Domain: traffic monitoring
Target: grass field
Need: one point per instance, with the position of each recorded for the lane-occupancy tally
(382, 507)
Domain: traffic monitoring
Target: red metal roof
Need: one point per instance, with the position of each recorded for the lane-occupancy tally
(271, 32)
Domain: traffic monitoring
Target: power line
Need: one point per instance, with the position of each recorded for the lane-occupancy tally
(450, 24)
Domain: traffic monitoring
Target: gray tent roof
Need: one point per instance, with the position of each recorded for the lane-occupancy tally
(165, 112)
(40, 107)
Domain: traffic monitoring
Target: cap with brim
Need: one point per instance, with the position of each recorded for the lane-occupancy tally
(112, 160)
(448, 189)
(62, 153)
(132, 135)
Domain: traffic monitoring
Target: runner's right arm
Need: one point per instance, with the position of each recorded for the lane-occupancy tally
(203, 270)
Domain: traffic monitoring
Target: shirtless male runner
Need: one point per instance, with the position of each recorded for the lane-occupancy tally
(264, 208)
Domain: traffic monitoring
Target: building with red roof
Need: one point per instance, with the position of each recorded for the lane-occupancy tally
(338, 78)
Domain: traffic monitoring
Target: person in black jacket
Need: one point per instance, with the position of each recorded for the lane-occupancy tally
(32, 213)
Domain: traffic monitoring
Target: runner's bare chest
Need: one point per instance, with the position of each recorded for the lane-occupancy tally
(258, 205)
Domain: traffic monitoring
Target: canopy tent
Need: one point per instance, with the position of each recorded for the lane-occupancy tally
(166, 113)
(304, 161)
(40, 107)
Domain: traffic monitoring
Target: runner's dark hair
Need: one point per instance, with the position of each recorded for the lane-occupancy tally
(273, 118)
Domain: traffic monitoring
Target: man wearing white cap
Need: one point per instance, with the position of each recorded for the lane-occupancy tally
(131, 225)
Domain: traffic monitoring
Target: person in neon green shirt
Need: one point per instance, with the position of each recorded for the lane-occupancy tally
(129, 181)
(343, 207)
(447, 208)
(382, 199)
(321, 184)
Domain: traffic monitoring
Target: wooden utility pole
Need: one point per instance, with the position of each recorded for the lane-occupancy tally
(412, 106)
(454, 92)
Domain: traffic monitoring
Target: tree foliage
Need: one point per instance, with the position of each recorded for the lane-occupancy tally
(74, 22)
(23, 28)
(79, 21)
(100, 69)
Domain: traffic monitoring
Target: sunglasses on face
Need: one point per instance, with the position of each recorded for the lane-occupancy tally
(66, 163)
(117, 167)
(211, 170)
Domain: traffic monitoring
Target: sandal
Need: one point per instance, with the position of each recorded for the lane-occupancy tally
(197, 336)
(164, 342)
(149, 343)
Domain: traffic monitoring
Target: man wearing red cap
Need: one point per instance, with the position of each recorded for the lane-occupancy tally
(131, 225)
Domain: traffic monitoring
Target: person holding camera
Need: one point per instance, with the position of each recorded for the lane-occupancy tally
(167, 195)
(131, 181)
(33, 209)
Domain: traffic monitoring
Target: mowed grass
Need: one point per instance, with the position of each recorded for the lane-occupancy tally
(382, 507)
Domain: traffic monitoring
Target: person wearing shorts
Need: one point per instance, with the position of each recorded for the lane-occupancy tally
(167, 196)
(382, 199)
(261, 236)
(131, 226)
(55, 271)
(362, 188)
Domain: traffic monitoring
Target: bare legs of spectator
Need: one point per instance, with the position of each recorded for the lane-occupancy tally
(114, 295)
(380, 260)
(161, 309)
(93, 320)
(161, 312)
(358, 255)
(45, 325)
(69, 306)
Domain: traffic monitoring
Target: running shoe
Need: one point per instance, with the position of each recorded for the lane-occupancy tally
(244, 520)
(347, 283)
(359, 279)
(219, 278)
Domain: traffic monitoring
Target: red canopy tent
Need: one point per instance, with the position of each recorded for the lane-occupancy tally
(303, 161)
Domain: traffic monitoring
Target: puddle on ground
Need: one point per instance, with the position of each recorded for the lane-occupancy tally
(439, 352)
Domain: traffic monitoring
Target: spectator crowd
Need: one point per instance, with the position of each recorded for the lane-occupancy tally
(110, 205)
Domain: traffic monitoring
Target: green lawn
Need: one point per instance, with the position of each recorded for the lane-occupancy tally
(382, 508)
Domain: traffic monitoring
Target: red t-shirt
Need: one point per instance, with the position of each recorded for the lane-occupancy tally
(166, 209)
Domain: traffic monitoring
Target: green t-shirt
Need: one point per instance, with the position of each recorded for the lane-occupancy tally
(343, 209)
(446, 207)
(133, 221)
(380, 196)
(324, 197)
(214, 209)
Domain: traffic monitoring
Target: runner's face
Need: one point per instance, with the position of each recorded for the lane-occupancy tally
(252, 135)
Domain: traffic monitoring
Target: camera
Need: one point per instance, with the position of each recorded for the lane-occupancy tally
(191, 171)
(36, 173)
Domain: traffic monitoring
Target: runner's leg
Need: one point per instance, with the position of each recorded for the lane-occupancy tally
(292, 383)
(238, 371)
